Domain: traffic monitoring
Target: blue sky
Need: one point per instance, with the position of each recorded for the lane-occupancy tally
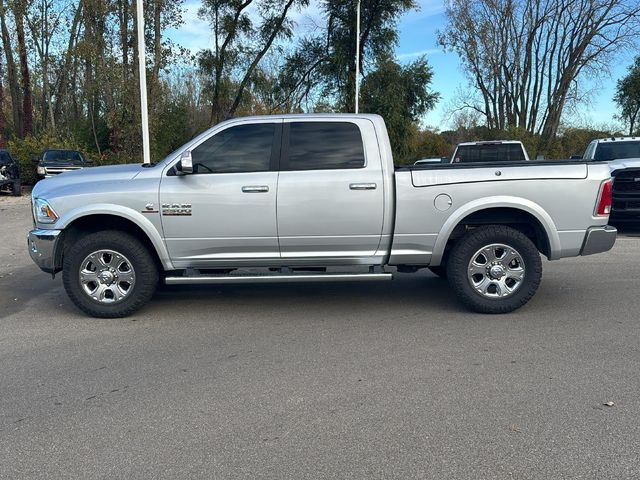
(418, 31)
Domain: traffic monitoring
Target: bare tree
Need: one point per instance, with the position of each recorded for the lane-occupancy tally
(27, 94)
(3, 135)
(526, 57)
(12, 75)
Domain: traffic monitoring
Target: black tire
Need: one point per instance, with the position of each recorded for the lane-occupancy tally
(466, 248)
(16, 190)
(143, 265)
(440, 271)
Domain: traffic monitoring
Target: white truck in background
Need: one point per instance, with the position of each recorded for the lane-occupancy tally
(490, 151)
(623, 156)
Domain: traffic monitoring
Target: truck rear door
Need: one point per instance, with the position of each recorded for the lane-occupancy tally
(330, 190)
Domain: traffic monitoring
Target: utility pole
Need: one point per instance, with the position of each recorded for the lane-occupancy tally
(357, 54)
(142, 67)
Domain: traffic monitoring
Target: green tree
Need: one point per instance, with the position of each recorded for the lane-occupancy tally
(628, 96)
(323, 65)
(400, 93)
(240, 44)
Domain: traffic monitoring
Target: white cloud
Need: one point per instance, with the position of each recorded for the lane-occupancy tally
(419, 53)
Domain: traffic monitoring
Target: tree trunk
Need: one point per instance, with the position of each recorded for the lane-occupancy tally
(276, 30)
(12, 75)
(63, 85)
(3, 136)
(27, 102)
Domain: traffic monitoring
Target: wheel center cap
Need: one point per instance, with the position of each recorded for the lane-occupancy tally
(106, 277)
(497, 271)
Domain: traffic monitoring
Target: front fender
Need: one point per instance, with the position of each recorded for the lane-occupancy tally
(134, 216)
(497, 202)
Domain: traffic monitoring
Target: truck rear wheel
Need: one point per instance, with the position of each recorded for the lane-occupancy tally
(109, 274)
(494, 269)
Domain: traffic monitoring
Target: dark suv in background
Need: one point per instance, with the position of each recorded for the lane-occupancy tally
(9, 174)
(54, 162)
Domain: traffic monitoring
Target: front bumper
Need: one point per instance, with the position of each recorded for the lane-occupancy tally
(44, 251)
(599, 239)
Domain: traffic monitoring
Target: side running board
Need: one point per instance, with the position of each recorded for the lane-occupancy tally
(278, 278)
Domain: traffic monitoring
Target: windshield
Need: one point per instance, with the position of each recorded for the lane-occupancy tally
(5, 158)
(62, 156)
(618, 150)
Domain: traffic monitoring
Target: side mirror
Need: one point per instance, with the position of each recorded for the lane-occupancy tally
(35, 158)
(575, 157)
(88, 160)
(185, 165)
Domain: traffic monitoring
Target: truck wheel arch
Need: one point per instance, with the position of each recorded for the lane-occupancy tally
(111, 219)
(515, 212)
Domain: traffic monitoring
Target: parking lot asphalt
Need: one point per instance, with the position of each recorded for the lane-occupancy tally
(389, 380)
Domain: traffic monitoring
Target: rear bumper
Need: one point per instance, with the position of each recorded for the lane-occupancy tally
(43, 248)
(599, 239)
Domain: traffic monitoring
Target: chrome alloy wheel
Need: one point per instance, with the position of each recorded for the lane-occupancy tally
(496, 271)
(107, 276)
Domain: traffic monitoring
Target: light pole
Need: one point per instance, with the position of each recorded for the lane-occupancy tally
(357, 54)
(142, 68)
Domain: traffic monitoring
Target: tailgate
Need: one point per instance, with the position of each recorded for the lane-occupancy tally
(459, 173)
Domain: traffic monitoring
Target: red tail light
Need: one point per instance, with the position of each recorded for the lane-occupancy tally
(603, 209)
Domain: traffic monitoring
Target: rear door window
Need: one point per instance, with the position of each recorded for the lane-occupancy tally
(324, 146)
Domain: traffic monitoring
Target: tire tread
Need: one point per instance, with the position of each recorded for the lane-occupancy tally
(146, 272)
(472, 242)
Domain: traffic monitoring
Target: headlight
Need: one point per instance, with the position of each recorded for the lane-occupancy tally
(43, 212)
(41, 170)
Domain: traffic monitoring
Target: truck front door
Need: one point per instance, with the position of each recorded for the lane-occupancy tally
(224, 213)
(330, 191)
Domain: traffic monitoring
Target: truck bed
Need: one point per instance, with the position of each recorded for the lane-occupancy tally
(432, 200)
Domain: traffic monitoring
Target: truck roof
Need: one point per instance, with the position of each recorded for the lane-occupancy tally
(490, 142)
(370, 116)
(618, 139)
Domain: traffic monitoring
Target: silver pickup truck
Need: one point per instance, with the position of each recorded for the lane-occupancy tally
(312, 198)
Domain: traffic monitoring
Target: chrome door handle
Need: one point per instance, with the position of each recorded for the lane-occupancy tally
(362, 186)
(255, 189)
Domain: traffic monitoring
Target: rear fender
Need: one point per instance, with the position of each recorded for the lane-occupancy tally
(497, 202)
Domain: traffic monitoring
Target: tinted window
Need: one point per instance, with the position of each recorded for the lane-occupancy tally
(245, 148)
(614, 151)
(5, 158)
(63, 156)
(506, 152)
(515, 153)
(325, 145)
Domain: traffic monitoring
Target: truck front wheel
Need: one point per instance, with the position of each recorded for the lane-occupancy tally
(494, 269)
(109, 274)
